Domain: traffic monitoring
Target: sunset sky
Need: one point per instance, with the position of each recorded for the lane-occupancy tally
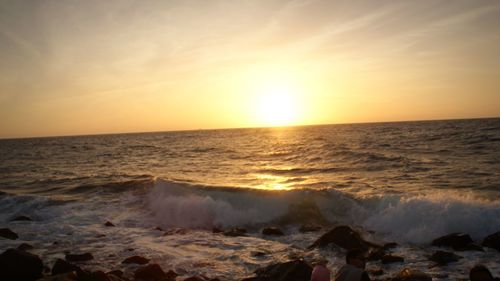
(93, 66)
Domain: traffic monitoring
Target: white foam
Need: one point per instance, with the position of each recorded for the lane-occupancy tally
(422, 218)
(177, 205)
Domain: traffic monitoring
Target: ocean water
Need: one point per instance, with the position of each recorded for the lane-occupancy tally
(406, 182)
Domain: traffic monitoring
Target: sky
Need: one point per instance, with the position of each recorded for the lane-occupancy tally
(92, 66)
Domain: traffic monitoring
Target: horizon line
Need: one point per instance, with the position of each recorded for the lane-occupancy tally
(239, 128)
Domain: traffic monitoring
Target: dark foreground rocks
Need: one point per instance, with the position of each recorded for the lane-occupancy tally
(234, 232)
(136, 260)
(61, 266)
(272, 231)
(443, 258)
(9, 234)
(79, 257)
(152, 272)
(21, 218)
(411, 275)
(457, 241)
(20, 265)
(344, 237)
(492, 241)
(296, 270)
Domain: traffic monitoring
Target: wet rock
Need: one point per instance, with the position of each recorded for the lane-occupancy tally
(20, 265)
(79, 257)
(152, 272)
(443, 258)
(296, 270)
(472, 247)
(25, 247)
(62, 266)
(93, 276)
(272, 231)
(386, 259)
(412, 275)
(259, 254)
(233, 232)
(70, 276)
(344, 237)
(390, 245)
(100, 235)
(170, 275)
(492, 241)
(309, 228)
(194, 278)
(9, 234)
(456, 241)
(376, 272)
(158, 228)
(217, 230)
(22, 218)
(117, 273)
(376, 254)
(136, 260)
(108, 223)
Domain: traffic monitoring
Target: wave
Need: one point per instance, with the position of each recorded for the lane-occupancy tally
(414, 218)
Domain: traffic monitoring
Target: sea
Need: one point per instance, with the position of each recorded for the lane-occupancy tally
(165, 192)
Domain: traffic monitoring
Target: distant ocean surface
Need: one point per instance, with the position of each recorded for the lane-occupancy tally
(408, 182)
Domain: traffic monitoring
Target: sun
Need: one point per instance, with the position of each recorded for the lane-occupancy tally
(277, 105)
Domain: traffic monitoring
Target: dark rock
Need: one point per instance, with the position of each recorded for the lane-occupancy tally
(390, 245)
(100, 236)
(259, 254)
(136, 260)
(376, 254)
(70, 276)
(117, 273)
(443, 258)
(79, 257)
(456, 241)
(376, 272)
(130, 249)
(25, 247)
(93, 276)
(170, 275)
(194, 278)
(20, 265)
(344, 237)
(233, 232)
(62, 266)
(297, 270)
(7, 233)
(152, 272)
(272, 231)
(158, 228)
(217, 230)
(175, 231)
(492, 241)
(108, 223)
(472, 247)
(386, 259)
(412, 275)
(22, 218)
(309, 228)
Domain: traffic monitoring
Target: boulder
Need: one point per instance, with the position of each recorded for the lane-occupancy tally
(443, 258)
(117, 273)
(84, 275)
(21, 218)
(411, 275)
(170, 275)
(20, 265)
(390, 245)
(492, 241)
(136, 260)
(194, 278)
(62, 266)
(376, 272)
(108, 223)
(296, 270)
(151, 272)
(309, 228)
(233, 232)
(79, 257)
(9, 234)
(70, 276)
(25, 247)
(386, 259)
(457, 241)
(272, 231)
(344, 237)
(376, 254)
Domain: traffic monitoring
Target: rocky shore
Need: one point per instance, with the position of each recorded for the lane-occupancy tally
(20, 264)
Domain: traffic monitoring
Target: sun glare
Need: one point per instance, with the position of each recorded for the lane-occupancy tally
(277, 105)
